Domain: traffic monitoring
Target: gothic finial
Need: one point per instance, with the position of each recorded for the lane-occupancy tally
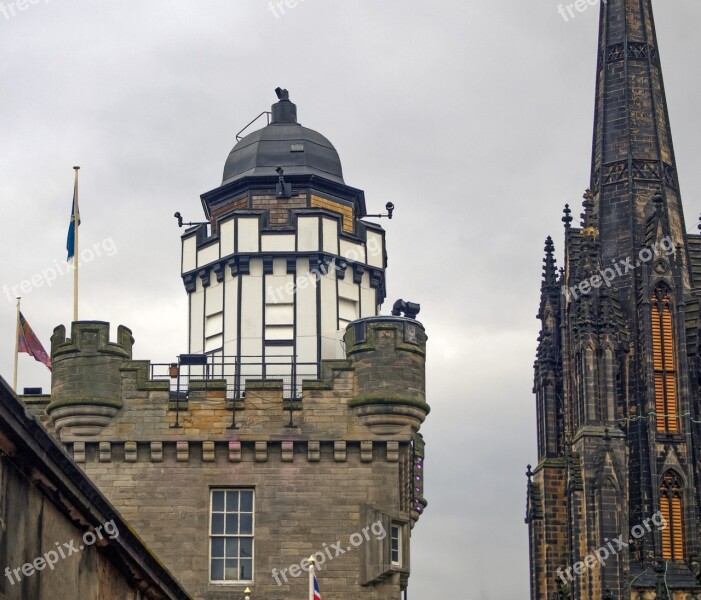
(549, 267)
(607, 437)
(699, 225)
(589, 225)
(567, 219)
(529, 473)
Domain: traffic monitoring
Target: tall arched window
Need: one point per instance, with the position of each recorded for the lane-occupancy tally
(664, 361)
(671, 492)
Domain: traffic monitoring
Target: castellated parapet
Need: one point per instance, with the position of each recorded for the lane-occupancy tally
(86, 386)
(323, 467)
(388, 355)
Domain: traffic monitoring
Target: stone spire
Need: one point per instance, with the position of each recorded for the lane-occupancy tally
(632, 154)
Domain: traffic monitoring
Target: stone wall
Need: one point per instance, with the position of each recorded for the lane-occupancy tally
(323, 468)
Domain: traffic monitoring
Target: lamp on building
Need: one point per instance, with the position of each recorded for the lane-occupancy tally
(247, 591)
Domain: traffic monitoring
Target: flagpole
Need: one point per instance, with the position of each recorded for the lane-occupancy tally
(76, 221)
(14, 378)
(311, 577)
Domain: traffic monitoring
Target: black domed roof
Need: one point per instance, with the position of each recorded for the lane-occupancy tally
(283, 143)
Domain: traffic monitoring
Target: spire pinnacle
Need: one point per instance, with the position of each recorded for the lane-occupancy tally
(549, 268)
(633, 154)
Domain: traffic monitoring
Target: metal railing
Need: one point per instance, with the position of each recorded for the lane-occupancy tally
(236, 370)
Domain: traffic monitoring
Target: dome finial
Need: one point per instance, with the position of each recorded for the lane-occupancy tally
(284, 111)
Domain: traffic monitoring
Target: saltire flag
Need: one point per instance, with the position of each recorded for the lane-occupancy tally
(28, 342)
(70, 242)
(317, 593)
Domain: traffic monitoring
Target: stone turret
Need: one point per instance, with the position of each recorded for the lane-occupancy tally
(86, 385)
(389, 359)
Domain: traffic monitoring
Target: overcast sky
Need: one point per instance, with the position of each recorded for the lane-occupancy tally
(473, 118)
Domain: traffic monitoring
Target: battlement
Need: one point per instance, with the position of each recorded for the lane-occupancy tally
(85, 384)
(379, 390)
(388, 356)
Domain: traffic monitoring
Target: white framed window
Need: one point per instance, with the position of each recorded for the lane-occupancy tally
(396, 545)
(231, 535)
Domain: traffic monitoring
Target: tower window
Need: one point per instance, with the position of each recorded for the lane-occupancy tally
(664, 362)
(396, 545)
(671, 495)
(231, 535)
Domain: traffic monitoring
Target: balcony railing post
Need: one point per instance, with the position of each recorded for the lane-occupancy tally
(293, 387)
(237, 389)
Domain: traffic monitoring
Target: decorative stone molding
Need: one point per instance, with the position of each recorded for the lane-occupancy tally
(288, 451)
(156, 451)
(261, 451)
(183, 451)
(366, 451)
(313, 451)
(105, 452)
(234, 451)
(340, 453)
(207, 451)
(392, 451)
(79, 452)
(130, 452)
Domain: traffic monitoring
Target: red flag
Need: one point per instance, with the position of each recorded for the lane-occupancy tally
(28, 342)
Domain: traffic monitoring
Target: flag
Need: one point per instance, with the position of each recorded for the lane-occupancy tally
(317, 593)
(28, 342)
(70, 242)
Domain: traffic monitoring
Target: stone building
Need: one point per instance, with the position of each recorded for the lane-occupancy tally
(613, 503)
(290, 427)
(60, 539)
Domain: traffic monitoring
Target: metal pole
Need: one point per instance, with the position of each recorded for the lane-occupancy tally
(17, 329)
(76, 259)
(177, 401)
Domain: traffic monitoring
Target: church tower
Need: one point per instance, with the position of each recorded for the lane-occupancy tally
(613, 503)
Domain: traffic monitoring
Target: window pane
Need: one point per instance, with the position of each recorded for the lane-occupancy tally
(246, 501)
(232, 524)
(218, 501)
(217, 570)
(246, 547)
(231, 535)
(232, 501)
(246, 569)
(246, 523)
(217, 523)
(231, 571)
